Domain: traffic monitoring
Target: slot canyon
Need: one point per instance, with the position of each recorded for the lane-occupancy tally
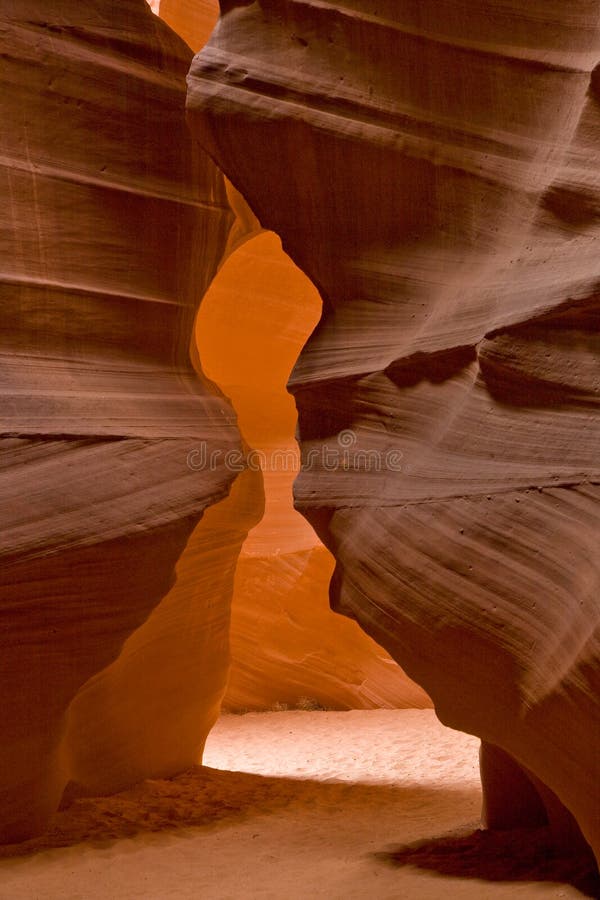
(300, 565)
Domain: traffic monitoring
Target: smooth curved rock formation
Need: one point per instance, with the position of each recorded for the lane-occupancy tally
(147, 715)
(286, 644)
(114, 224)
(433, 168)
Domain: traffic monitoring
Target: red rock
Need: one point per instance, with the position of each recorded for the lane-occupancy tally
(433, 168)
(114, 224)
(287, 646)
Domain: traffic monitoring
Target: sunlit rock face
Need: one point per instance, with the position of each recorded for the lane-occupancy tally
(433, 167)
(147, 715)
(193, 20)
(287, 646)
(113, 226)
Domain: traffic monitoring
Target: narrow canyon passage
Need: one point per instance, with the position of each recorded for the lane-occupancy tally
(287, 646)
(170, 663)
(430, 167)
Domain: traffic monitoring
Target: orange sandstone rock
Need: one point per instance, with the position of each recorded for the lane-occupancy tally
(287, 645)
(433, 167)
(193, 20)
(114, 224)
(147, 715)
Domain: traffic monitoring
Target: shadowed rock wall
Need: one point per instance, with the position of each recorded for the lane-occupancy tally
(286, 645)
(113, 226)
(433, 168)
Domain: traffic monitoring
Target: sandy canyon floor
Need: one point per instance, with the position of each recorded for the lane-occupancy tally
(362, 804)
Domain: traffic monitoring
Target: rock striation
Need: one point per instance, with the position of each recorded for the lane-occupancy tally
(113, 225)
(433, 168)
(287, 647)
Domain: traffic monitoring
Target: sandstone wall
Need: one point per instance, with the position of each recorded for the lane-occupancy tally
(433, 168)
(286, 645)
(113, 226)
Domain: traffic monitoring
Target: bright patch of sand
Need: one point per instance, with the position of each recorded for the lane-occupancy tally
(362, 804)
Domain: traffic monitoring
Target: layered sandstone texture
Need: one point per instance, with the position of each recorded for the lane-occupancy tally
(434, 168)
(287, 646)
(113, 225)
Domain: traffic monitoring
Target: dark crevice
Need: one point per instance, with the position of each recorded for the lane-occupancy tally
(433, 367)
